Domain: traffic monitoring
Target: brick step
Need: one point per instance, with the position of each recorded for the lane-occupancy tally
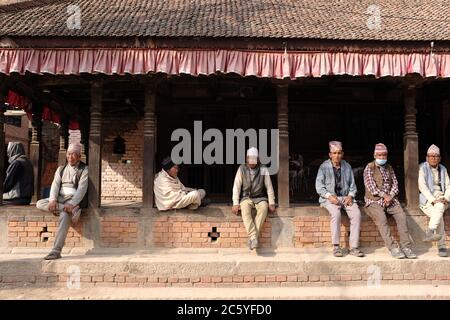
(221, 268)
(391, 292)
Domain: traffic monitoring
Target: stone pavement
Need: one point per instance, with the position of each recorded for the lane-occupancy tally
(390, 292)
(228, 273)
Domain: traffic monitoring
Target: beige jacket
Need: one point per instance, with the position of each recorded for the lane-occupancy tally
(168, 190)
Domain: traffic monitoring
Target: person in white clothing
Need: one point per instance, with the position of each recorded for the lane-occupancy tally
(434, 187)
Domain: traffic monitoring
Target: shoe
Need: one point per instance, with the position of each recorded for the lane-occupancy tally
(443, 252)
(253, 244)
(337, 252)
(430, 235)
(76, 213)
(409, 253)
(397, 253)
(249, 244)
(53, 256)
(356, 252)
(205, 202)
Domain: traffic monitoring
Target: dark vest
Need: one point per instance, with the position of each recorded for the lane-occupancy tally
(378, 178)
(256, 189)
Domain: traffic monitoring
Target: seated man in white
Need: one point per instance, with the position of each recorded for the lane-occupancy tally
(170, 193)
(434, 187)
(68, 194)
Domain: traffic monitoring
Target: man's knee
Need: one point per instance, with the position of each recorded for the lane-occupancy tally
(42, 204)
(262, 206)
(440, 207)
(202, 193)
(378, 217)
(334, 211)
(354, 213)
(246, 205)
(64, 217)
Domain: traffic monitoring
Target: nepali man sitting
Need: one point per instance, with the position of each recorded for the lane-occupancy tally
(68, 195)
(336, 187)
(434, 187)
(381, 196)
(170, 193)
(18, 187)
(253, 189)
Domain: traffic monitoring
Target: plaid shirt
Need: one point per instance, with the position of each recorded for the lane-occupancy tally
(370, 184)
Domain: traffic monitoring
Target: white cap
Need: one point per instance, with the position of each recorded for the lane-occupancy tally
(433, 149)
(74, 147)
(252, 153)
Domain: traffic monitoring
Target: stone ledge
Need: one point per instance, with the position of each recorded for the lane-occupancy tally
(214, 210)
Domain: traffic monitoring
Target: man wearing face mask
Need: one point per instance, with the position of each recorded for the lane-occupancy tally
(381, 196)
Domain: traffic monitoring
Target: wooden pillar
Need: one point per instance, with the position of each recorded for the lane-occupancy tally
(94, 163)
(445, 148)
(36, 149)
(149, 147)
(83, 148)
(283, 145)
(2, 149)
(63, 134)
(411, 149)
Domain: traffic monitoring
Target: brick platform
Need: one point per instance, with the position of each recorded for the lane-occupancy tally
(212, 227)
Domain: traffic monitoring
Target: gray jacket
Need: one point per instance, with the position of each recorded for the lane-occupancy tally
(325, 181)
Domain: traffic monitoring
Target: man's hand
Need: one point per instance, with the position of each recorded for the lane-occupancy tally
(272, 208)
(388, 199)
(441, 200)
(333, 200)
(235, 209)
(68, 208)
(348, 201)
(52, 206)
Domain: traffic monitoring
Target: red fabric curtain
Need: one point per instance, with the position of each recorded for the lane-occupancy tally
(204, 62)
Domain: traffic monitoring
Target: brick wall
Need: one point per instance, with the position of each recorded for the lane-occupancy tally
(122, 181)
(40, 231)
(119, 231)
(315, 232)
(192, 232)
(186, 231)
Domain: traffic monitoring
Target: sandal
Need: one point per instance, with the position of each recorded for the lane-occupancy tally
(337, 252)
(356, 252)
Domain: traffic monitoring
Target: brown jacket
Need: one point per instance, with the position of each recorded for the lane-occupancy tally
(378, 178)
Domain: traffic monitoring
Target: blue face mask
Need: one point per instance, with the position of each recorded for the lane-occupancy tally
(381, 162)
